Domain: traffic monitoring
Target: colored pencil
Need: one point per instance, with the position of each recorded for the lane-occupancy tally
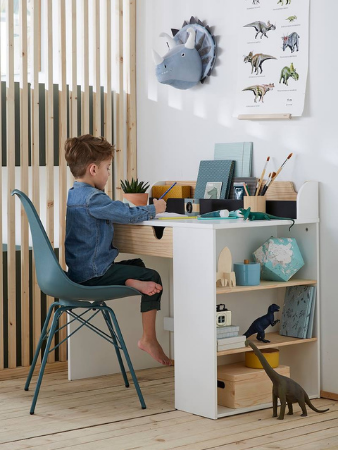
(166, 192)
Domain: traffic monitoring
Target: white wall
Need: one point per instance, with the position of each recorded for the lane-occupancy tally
(176, 129)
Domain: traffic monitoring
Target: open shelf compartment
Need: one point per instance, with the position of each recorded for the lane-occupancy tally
(276, 340)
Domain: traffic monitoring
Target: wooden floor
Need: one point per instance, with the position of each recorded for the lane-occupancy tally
(99, 413)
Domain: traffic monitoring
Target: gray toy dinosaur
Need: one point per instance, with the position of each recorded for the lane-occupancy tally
(287, 390)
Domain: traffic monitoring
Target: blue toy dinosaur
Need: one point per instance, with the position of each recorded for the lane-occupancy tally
(247, 214)
(258, 326)
(191, 57)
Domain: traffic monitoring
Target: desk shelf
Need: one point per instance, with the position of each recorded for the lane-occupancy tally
(276, 340)
(264, 285)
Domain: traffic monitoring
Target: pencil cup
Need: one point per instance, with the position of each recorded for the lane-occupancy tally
(256, 203)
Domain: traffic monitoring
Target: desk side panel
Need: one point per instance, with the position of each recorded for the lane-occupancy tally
(194, 274)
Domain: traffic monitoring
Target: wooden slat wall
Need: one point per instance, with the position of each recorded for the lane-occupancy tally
(2, 352)
(85, 84)
(119, 123)
(10, 132)
(62, 161)
(35, 145)
(131, 91)
(107, 41)
(25, 357)
(96, 62)
(49, 120)
(108, 131)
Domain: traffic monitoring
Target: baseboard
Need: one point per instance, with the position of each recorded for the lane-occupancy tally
(22, 372)
(329, 395)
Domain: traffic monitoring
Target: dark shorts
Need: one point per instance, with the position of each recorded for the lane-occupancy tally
(118, 273)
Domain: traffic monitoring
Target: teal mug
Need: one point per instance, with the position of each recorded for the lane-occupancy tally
(247, 274)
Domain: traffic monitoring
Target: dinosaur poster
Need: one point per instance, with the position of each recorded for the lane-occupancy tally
(272, 56)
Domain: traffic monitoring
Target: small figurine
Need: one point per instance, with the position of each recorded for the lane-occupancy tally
(225, 276)
(247, 214)
(285, 389)
(259, 325)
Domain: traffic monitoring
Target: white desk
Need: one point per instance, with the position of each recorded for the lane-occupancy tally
(195, 249)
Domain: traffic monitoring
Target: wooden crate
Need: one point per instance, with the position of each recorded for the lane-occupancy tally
(242, 386)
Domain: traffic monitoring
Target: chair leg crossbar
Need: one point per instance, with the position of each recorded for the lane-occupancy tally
(115, 338)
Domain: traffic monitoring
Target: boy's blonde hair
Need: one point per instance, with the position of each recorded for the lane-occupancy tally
(84, 150)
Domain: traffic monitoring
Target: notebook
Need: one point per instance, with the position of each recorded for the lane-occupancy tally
(312, 315)
(214, 171)
(240, 152)
(296, 311)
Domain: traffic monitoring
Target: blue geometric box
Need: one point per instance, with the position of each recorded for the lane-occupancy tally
(280, 259)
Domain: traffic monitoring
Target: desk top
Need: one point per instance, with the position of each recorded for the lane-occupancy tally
(222, 224)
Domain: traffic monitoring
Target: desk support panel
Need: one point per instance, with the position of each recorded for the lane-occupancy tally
(195, 331)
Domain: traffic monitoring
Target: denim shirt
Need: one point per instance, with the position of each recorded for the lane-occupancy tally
(89, 230)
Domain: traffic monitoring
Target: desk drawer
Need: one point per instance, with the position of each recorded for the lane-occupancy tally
(142, 240)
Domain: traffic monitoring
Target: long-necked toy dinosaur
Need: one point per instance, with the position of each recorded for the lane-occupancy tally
(284, 388)
(248, 215)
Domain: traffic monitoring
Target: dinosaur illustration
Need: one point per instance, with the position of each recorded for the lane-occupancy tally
(247, 214)
(291, 18)
(261, 27)
(260, 90)
(284, 388)
(259, 325)
(257, 61)
(212, 193)
(288, 2)
(291, 41)
(288, 72)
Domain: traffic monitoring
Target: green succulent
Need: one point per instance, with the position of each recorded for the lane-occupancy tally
(134, 186)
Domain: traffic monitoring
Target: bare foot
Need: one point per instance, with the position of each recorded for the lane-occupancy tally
(155, 351)
(145, 287)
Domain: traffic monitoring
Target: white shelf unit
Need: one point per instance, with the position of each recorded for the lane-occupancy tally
(197, 352)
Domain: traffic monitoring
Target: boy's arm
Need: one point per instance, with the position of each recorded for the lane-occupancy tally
(101, 206)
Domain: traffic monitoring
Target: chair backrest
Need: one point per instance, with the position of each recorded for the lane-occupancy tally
(51, 278)
(48, 270)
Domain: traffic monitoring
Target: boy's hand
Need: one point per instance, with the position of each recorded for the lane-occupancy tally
(160, 205)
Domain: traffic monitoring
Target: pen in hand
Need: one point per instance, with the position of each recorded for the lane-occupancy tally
(166, 192)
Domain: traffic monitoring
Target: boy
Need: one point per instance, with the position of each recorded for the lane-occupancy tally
(89, 250)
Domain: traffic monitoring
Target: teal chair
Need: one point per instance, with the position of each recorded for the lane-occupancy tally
(74, 299)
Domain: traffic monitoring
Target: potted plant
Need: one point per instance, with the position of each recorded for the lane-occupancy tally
(134, 192)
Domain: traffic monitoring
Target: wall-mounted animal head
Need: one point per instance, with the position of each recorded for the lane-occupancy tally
(181, 67)
(191, 56)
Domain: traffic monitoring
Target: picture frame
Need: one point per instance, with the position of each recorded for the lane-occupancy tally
(213, 190)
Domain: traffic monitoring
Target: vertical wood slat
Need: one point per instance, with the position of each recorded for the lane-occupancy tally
(49, 121)
(73, 93)
(11, 267)
(131, 91)
(62, 161)
(35, 62)
(25, 357)
(2, 352)
(85, 87)
(119, 140)
(108, 132)
(96, 64)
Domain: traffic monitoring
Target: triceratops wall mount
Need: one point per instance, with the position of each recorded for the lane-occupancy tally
(191, 56)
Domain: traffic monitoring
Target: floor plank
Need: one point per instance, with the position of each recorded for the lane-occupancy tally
(100, 413)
